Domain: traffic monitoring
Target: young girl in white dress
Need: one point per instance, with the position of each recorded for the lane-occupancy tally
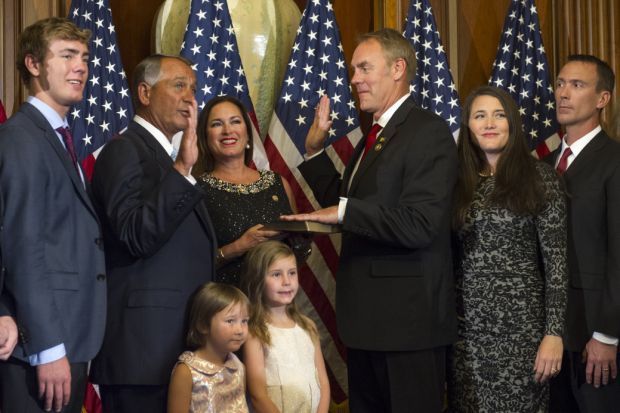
(210, 378)
(285, 368)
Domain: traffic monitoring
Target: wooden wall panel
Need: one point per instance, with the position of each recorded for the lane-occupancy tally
(480, 24)
(15, 16)
(134, 21)
(589, 27)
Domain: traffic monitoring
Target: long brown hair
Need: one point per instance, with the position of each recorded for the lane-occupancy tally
(517, 181)
(206, 161)
(254, 269)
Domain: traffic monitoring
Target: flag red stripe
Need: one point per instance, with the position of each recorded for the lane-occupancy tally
(324, 244)
(322, 305)
(329, 253)
(344, 148)
(337, 394)
(278, 165)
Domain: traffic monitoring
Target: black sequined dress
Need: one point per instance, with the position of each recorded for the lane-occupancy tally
(236, 207)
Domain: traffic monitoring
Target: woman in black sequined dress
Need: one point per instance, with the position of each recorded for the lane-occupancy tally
(239, 198)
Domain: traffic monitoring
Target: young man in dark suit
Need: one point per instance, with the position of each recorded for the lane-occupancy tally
(395, 302)
(158, 237)
(590, 164)
(52, 257)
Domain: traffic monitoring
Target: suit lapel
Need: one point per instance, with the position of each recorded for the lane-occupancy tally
(159, 153)
(166, 163)
(383, 139)
(587, 155)
(50, 136)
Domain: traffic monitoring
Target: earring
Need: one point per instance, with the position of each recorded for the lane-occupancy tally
(247, 146)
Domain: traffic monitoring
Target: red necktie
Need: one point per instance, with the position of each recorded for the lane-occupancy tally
(563, 164)
(68, 140)
(371, 138)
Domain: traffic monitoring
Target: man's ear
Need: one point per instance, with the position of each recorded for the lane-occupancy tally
(399, 67)
(144, 93)
(604, 99)
(33, 65)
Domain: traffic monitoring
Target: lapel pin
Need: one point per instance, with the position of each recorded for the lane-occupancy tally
(275, 198)
(381, 139)
(378, 147)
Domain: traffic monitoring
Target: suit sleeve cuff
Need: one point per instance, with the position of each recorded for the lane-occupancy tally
(342, 206)
(605, 339)
(190, 178)
(308, 157)
(47, 356)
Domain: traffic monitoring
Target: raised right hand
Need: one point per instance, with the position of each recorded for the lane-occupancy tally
(315, 140)
(54, 384)
(188, 149)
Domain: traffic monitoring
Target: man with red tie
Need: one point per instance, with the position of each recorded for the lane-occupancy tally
(395, 304)
(52, 254)
(589, 162)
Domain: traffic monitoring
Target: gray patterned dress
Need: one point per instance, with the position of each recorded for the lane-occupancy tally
(511, 282)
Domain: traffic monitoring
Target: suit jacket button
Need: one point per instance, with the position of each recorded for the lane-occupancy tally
(100, 277)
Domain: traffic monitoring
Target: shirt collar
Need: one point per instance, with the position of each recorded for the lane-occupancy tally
(387, 115)
(52, 117)
(581, 143)
(157, 134)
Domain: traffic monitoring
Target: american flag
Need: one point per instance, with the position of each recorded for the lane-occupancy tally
(106, 109)
(432, 87)
(210, 43)
(521, 68)
(316, 67)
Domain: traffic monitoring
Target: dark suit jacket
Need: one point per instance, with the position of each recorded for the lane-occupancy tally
(52, 254)
(593, 184)
(159, 249)
(395, 288)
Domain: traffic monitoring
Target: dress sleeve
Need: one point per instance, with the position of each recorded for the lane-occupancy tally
(551, 229)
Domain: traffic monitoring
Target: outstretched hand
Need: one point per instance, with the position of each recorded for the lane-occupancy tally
(188, 149)
(324, 216)
(315, 140)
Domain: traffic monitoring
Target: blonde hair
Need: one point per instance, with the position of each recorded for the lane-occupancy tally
(206, 302)
(254, 270)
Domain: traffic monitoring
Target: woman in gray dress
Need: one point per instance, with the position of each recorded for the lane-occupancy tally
(511, 272)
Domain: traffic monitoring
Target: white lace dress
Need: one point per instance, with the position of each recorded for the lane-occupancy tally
(292, 380)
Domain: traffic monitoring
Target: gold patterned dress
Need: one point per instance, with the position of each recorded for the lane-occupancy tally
(216, 389)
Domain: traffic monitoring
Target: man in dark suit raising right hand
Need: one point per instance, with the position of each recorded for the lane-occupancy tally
(158, 238)
(395, 303)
